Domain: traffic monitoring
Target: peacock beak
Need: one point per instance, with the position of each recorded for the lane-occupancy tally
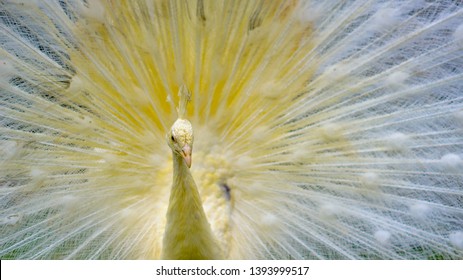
(186, 154)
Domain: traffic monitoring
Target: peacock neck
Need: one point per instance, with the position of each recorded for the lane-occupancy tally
(188, 234)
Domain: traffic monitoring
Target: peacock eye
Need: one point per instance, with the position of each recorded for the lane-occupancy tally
(172, 137)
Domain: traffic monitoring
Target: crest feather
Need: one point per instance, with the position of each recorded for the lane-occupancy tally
(185, 97)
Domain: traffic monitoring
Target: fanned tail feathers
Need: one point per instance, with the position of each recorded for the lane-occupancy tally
(323, 129)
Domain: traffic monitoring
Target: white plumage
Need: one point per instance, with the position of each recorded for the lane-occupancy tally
(323, 129)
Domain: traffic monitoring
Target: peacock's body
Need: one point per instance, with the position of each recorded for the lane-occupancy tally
(323, 129)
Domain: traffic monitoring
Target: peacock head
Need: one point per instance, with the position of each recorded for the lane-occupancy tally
(180, 139)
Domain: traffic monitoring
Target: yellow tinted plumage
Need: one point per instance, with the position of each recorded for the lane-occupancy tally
(322, 129)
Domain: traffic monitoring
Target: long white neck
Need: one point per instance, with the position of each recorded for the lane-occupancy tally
(188, 234)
